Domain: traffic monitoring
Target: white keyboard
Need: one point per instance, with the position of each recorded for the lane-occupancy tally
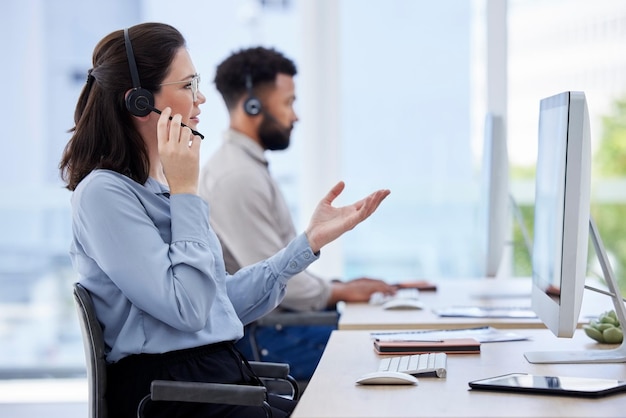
(425, 363)
(379, 298)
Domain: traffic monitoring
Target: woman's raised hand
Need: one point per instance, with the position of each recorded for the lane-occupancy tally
(329, 223)
(180, 153)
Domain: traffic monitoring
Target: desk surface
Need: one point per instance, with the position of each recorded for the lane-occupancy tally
(460, 292)
(349, 354)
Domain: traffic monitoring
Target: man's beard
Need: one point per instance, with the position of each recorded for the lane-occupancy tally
(273, 136)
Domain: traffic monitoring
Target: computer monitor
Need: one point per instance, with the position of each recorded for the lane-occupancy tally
(562, 228)
(497, 206)
(493, 220)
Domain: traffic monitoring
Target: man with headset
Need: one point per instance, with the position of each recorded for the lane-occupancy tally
(248, 210)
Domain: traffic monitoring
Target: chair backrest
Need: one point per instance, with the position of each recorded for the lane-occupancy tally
(93, 342)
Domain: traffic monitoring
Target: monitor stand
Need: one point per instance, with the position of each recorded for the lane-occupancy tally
(615, 355)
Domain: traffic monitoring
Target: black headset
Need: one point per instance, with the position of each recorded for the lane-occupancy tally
(139, 101)
(252, 105)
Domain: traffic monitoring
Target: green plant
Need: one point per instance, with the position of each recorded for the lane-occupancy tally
(606, 329)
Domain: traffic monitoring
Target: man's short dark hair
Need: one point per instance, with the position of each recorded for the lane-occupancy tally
(261, 64)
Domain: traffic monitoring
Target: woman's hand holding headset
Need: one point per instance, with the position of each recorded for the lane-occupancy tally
(180, 153)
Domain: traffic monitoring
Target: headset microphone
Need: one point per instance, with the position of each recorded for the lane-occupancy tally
(155, 110)
(139, 101)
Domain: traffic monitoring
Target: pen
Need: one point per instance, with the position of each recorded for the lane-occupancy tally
(410, 340)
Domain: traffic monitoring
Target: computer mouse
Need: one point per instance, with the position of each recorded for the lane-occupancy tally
(387, 378)
(403, 303)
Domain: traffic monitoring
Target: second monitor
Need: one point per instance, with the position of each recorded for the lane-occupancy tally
(497, 206)
(562, 228)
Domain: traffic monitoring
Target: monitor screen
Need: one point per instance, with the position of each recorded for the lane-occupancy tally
(561, 230)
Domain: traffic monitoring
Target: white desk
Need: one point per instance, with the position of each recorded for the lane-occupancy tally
(461, 292)
(349, 354)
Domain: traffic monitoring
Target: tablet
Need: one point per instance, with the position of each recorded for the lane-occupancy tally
(551, 385)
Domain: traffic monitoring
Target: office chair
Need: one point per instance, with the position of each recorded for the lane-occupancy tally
(162, 390)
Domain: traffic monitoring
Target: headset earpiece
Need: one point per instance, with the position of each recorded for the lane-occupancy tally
(252, 105)
(139, 101)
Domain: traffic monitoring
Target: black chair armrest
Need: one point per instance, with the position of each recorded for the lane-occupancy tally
(164, 390)
(219, 393)
(270, 370)
(280, 371)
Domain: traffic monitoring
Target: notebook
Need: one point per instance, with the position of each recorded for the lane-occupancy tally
(484, 334)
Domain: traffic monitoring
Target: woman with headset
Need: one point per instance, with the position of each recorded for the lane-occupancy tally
(142, 244)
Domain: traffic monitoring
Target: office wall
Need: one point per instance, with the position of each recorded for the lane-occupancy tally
(406, 109)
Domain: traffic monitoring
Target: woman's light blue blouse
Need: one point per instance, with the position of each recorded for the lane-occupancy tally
(155, 269)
